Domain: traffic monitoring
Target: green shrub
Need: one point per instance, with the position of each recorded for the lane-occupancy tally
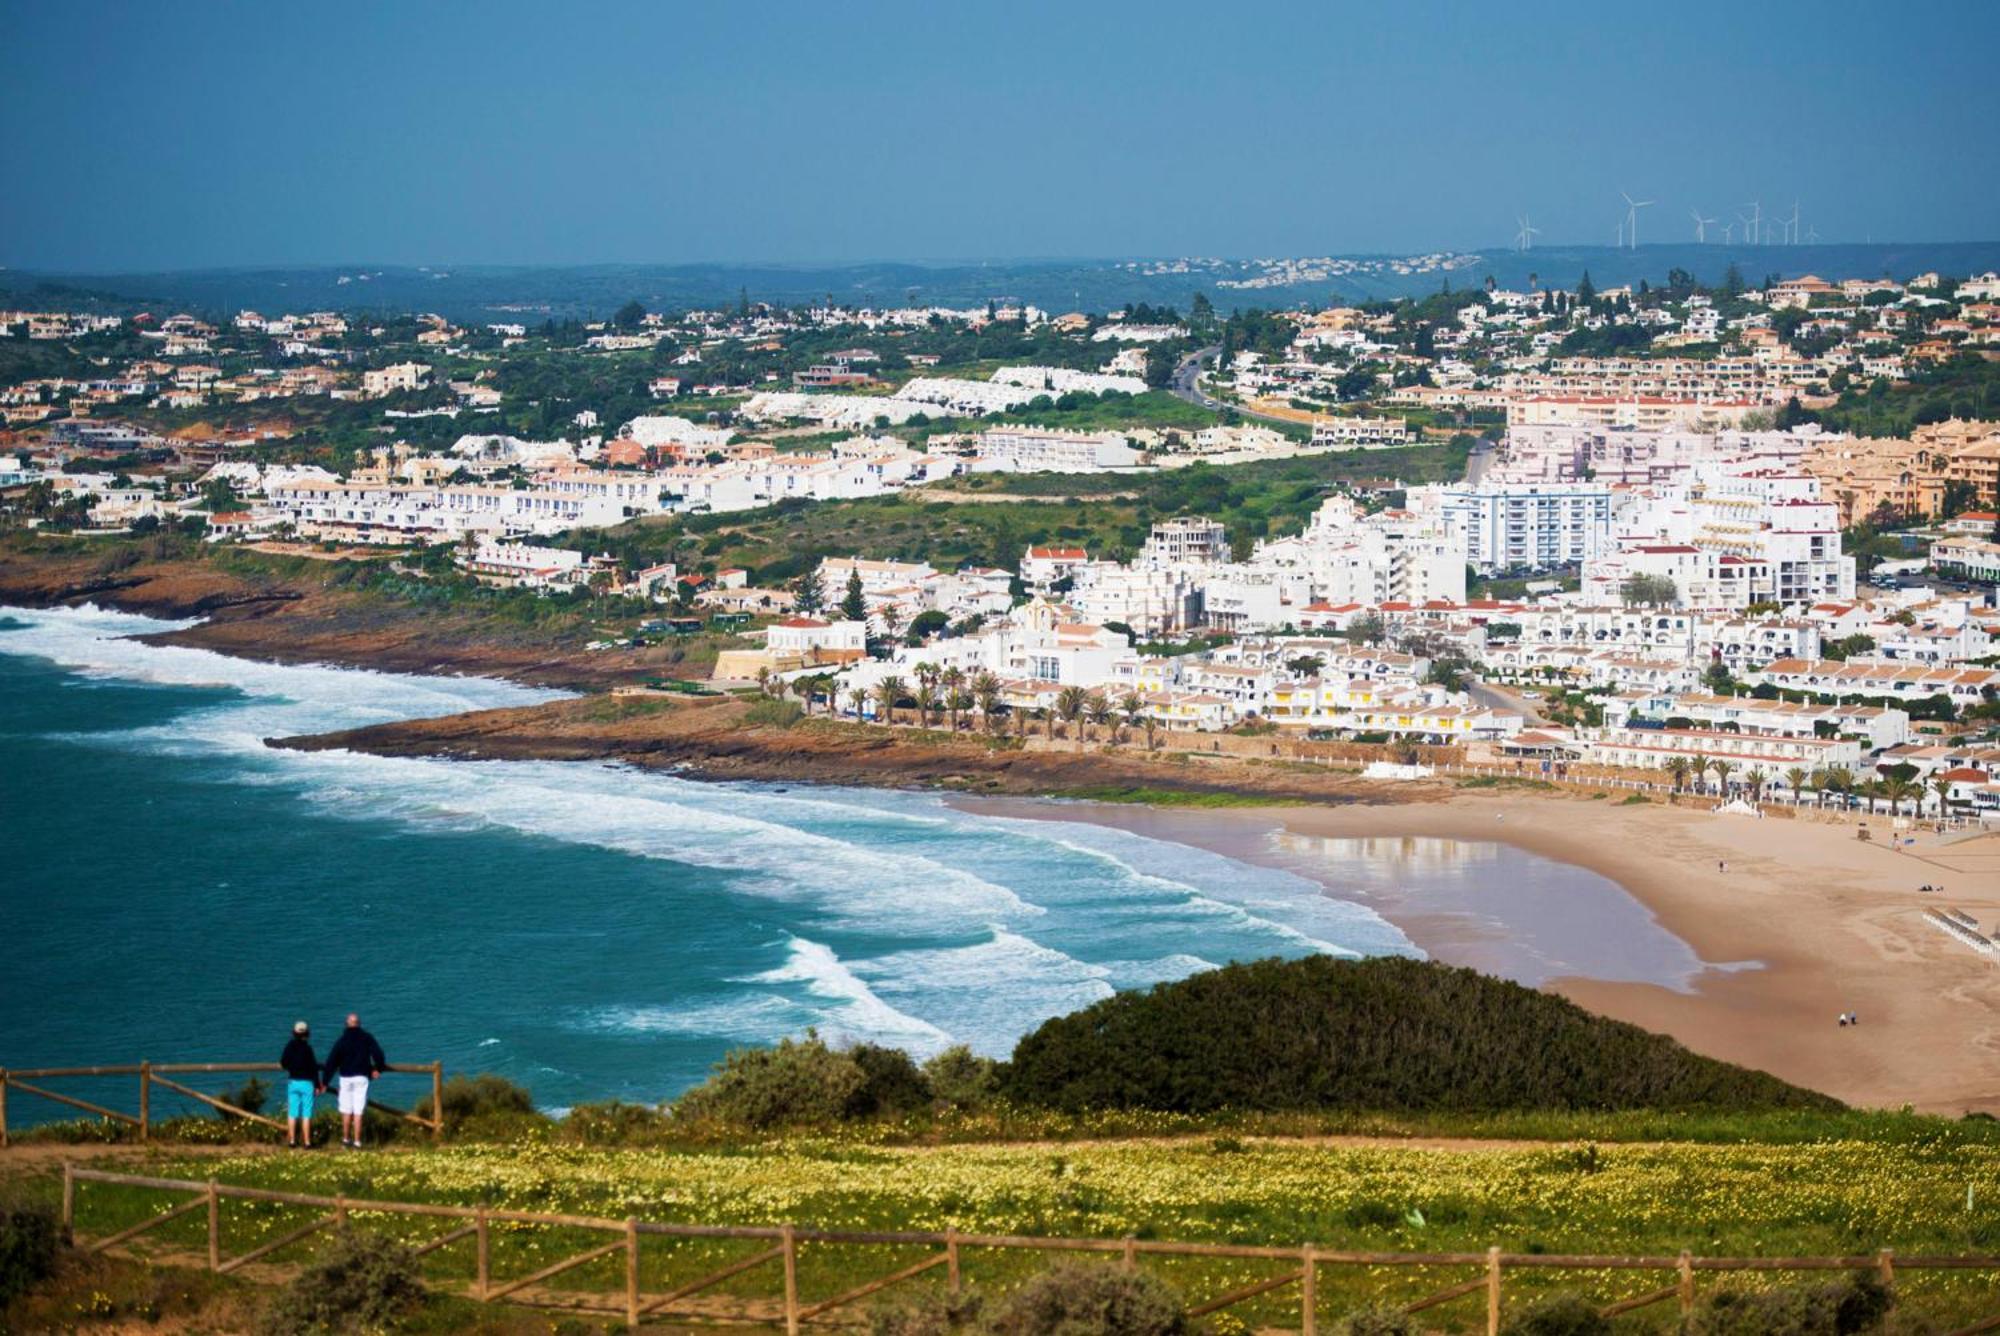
(1080, 1299)
(251, 1097)
(1377, 1320)
(773, 714)
(1384, 1034)
(1857, 1303)
(1558, 1315)
(799, 1081)
(928, 1313)
(363, 1283)
(961, 1078)
(484, 1099)
(30, 1238)
(890, 1083)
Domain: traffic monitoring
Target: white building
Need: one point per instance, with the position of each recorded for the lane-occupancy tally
(1052, 450)
(1521, 526)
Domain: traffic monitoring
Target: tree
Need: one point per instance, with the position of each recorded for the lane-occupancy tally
(853, 605)
(807, 596)
(1942, 787)
(1070, 706)
(1367, 629)
(1586, 291)
(1723, 770)
(1652, 591)
(1306, 665)
(927, 699)
(629, 315)
(986, 692)
(1796, 780)
(891, 617)
(889, 693)
(1099, 709)
(857, 700)
(1677, 770)
(1133, 706)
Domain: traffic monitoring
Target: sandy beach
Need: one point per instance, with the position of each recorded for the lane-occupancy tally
(1805, 922)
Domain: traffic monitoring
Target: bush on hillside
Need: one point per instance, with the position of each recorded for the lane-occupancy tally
(961, 1079)
(614, 1123)
(926, 1313)
(486, 1100)
(890, 1083)
(1558, 1315)
(799, 1081)
(30, 1238)
(1377, 1320)
(1382, 1034)
(1846, 1307)
(1082, 1299)
(362, 1283)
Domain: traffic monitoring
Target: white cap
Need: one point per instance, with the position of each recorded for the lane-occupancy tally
(299, 1027)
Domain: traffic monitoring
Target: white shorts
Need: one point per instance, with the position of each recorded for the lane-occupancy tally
(353, 1094)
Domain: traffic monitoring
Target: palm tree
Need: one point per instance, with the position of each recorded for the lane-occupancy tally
(857, 700)
(1070, 705)
(1756, 779)
(1723, 770)
(985, 692)
(927, 699)
(888, 692)
(958, 700)
(1131, 705)
(1698, 771)
(1895, 789)
(1837, 779)
(927, 673)
(1151, 725)
(1796, 780)
(1677, 768)
(764, 680)
(890, 619)
(952, 680)
(1099, 709)
(1942, 787)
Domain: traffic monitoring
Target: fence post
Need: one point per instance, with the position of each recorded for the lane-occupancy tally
(1885, 1266)
(631, 1273)
(951, 1261)
(340, 1211)
(1685, 1267)
(437, 1100)
(1129, 1254)
(1493, 1291)
(145, 1100)
(483, 1278)
(69, 1199)
(3, 1107)
(791, 1283)
(214, 1227)
(1308, 1290)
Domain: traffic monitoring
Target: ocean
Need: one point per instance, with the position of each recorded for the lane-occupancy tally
(175, 890)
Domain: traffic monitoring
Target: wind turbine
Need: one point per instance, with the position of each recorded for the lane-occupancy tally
(1632, 207)
(1700, 225)
(1525, 238)
(1812, 236)
(1728, 233)
(1792, 226)
(1756, 217)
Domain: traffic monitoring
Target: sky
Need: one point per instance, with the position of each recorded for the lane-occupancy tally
(147, 136)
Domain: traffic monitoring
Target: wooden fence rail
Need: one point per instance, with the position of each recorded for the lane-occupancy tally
(783, 1242)
(161, 1074)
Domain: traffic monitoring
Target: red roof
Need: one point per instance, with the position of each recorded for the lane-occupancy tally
(804, 623)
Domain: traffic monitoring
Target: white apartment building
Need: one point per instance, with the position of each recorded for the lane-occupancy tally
(1186, 539)
(1152, 600)
(497, 561)
(1522, 526)
(1644, 748)
(394, 379)
(1350, 433)
(1052, 450)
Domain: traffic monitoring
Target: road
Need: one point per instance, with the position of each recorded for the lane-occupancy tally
(1490, 697)
(1186, 386)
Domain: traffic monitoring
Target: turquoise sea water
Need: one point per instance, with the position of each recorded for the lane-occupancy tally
(172, 889)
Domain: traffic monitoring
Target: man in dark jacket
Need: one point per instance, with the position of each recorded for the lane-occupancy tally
(301, 1083)
(355, 1059)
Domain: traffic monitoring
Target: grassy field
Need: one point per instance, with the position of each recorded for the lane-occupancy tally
(1890, 1182)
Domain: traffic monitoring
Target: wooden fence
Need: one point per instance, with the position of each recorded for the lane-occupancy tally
(1301, 1265)
(162, 1074)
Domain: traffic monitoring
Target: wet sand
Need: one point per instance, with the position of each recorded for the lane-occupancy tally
(1752, 963)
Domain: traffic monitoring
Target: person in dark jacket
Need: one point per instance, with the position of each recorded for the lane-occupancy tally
(301, 1084)
(355, 1059)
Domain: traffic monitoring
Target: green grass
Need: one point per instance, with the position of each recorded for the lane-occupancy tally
(1812, 1184)
(1504, 782)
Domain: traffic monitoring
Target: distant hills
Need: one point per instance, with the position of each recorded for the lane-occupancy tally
(531, 294)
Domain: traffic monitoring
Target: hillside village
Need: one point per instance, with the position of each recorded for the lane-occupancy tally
(1744, 535)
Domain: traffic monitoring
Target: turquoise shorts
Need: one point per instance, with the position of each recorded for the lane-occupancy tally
(299, 1099)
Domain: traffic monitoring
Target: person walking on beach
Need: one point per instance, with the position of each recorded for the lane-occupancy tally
(302, 1082)
(356, 1059)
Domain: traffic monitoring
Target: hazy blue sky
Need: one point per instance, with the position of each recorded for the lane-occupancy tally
(150, 135)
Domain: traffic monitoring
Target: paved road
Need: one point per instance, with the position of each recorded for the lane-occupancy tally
(1499, 698)
(1186, 385)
